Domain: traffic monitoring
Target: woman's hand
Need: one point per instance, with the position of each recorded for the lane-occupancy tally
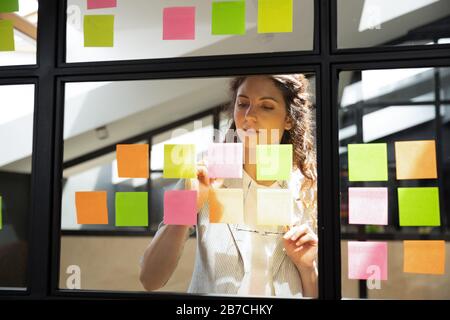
(300, 244)
(202, 184)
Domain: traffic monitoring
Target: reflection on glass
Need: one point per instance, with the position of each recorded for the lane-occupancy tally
(386, 106)
(20, 48)
(373, 23)
(16, 139)
(138, 32)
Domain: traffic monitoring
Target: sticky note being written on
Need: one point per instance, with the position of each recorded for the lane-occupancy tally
(225, 160)
(367, 260)
(131, 209)
(273, 161)
(100, 4)
(274, 207)
(9, 6)
(367, 162)
(226, 205)
(180, 207)
(228, 17)
(416, 159)
(6, 35)
(424, 257)
(179, 161)
(99, 30)
(92, 207)
(419, 207)
(132, 160)
(179, 23)
(275, 16)
(368, 206)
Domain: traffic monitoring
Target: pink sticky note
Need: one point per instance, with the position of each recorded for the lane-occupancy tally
(180, 207)
(100, 4)
(367, 259)
(179, 23)
(368, 206)
(225, 160)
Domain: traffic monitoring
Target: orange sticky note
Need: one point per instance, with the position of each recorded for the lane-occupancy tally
(424, 256)
(416, 159)
(132, 160)
(92, 207)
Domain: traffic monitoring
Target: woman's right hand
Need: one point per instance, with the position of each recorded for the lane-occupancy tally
(202, 184)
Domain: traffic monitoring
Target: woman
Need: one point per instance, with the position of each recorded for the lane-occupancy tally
(248, 259)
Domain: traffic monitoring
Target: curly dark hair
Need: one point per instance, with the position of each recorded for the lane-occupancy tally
(294, 88)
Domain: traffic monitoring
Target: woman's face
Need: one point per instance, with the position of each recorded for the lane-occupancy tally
(260, 112)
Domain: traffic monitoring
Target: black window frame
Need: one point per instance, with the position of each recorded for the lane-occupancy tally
(51, 73)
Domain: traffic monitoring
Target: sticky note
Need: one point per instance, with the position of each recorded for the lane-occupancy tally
(100, 4)
(274, 207)
(92, 207)
(275, 16)
(368, 206)
(367, 260)
(273, 161)
(228, 17)
(132, 160)
(6, 35)
(131, 209)
(419, 207)
(416, 159)
(367, 162)
(99, 31)
(180, 207)
(425, 257)
(226, 205)
(225, 160)
(179, 161)
(9, 5)
(179, 23)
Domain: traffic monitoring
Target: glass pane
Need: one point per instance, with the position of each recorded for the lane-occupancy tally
(180, 111)
(388, 155)
(16, 142)
(18, 33)
(378, 23)
(137, 30)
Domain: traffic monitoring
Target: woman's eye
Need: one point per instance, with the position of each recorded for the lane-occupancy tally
(242, 105)
(267, 108)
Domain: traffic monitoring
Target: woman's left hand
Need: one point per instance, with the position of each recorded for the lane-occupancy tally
(300, 244)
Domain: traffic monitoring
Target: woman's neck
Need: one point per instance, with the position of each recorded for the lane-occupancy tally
(250, 166)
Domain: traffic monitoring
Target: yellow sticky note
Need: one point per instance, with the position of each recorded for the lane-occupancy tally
(275, 16)
(99, 30)
(416, 159)
(274, 207)
(424, 256)
(179, 161)
(226, 205)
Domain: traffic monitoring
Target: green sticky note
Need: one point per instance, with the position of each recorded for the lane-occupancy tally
(273, 161)
(419, 207)
(131, 209)
(367, 162)
(6, 35)
(275, 16)
(9, 5)
(228, 17)
(98, 30)
(179, 161)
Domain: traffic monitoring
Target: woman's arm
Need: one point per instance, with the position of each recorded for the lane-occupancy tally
(162, 255)
(309, 277)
